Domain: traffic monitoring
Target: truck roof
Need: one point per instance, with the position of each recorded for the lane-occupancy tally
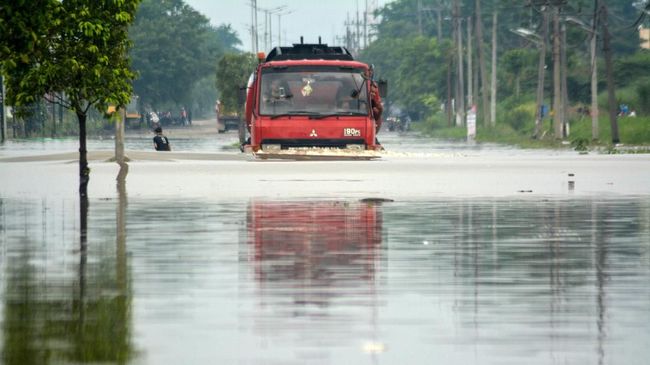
(315, 62)
(309, 51)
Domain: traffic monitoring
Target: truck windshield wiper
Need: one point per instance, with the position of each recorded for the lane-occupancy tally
(322, 116)
(294, 112)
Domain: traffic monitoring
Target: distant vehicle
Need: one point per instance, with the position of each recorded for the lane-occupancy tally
(133, 118)
(310, 95)
(399, 123)
(226, 122)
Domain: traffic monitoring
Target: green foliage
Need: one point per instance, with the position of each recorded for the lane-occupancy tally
(175, 47)
(77, 48)
(629, 69)
(580, 144)
(643, 93)
(233, 71)
(436, 126)
(519, 65)
(34, 117)
(406, 64)
(519, 114)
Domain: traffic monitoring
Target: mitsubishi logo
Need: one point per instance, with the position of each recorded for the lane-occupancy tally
(313, 133)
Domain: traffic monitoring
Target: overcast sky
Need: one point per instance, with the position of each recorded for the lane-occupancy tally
(309, 18)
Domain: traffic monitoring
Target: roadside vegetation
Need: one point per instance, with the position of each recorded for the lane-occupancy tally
(419, 56)
(173, 55)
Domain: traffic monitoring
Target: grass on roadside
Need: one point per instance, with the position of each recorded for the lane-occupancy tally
(516, 128)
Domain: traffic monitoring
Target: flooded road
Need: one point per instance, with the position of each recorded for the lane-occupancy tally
(293, 267)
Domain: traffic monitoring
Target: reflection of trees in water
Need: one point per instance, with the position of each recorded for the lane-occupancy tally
(550, 261)
(57, 311)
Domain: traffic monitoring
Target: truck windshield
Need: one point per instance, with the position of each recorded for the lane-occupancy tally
(318, 92)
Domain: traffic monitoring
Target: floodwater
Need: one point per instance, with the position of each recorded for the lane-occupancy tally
(521, 279)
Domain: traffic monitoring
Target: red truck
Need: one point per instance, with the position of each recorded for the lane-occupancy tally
(312, 95)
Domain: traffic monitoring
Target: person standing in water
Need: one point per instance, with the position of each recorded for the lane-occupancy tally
(160, 141)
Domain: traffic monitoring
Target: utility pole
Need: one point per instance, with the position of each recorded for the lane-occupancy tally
(541, 75)
(358, 34)
(253, 50)
(460, 98)
(255, 26)
(481, 61)
(557, 88)
(493, 81)
(594, 77)
(470, 77)
(280, 14)
(3, 122)
(611, 98)
(563, 86)
(365, 26)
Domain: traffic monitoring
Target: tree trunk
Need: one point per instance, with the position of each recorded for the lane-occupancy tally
(84, 171)
(611, 97)
(481, 61)
(120, 158)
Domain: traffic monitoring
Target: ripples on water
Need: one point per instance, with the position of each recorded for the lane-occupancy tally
(326, 282)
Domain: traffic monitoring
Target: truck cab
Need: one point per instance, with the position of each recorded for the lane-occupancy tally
(310, 95)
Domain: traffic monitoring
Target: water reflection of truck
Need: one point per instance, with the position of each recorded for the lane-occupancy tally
(320, 243)
(310, 95)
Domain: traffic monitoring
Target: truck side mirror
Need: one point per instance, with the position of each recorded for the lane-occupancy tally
(383, 88)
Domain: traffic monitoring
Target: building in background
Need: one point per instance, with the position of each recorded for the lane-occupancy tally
(644, 35)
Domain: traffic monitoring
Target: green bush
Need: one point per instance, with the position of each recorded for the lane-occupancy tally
(643, 92)
(520, 117)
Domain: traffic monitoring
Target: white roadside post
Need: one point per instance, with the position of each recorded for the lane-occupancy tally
(471, 124)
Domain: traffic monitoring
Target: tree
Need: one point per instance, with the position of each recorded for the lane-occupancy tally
(517, 63)
(233, 71)
(174, 48)
(76, 49)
